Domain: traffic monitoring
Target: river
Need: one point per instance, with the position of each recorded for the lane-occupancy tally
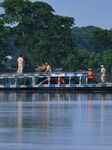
(55, 121)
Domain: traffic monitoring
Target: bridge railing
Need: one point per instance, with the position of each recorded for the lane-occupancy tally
(39, 79)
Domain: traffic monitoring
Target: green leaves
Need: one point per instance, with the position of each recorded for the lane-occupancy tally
(40, 35)
(43, 35)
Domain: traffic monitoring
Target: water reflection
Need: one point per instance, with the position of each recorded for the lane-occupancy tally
(62, 121)
(40, 97)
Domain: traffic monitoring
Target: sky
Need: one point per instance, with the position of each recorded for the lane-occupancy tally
(86, 12)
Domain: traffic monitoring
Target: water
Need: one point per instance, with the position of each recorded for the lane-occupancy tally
(36, 121)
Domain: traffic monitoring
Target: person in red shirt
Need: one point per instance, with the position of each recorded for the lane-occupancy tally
(90, 76)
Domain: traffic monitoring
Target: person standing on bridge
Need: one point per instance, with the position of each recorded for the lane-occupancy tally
(20, 62)
(90, 76)
(103, 73)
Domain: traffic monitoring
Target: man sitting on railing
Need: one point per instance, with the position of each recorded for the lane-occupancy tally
(42, 68)
(47, 67)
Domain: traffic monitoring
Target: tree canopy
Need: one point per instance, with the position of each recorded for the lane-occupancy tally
(34, 30)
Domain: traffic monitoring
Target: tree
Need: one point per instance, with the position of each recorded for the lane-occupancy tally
(3, 46)
(39, 34)
(107, 58)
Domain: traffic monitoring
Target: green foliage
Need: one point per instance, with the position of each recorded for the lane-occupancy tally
(3, 45)
(34, 30)
(107, 58)
(39, 33)
(97, 42)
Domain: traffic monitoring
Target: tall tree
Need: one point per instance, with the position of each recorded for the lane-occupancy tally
(3, 45)
(39, 33)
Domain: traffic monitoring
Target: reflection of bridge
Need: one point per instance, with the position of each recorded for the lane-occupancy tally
(41, 108)
(51, 82)
(52, 97)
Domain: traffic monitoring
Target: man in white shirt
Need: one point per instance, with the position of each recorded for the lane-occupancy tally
(103, 73)
(20, 61)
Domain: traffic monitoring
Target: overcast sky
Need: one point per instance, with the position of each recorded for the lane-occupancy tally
(86, 12)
